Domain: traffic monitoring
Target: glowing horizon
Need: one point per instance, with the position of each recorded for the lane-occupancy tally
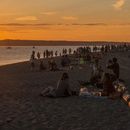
(81, 20)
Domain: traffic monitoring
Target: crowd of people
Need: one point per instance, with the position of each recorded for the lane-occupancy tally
(50, 55)
(83, 55)
(103, 80)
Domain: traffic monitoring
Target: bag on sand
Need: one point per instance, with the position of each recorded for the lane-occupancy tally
(85, 92)
(119, 86)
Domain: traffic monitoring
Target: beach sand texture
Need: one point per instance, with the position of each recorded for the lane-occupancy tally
(21, 107)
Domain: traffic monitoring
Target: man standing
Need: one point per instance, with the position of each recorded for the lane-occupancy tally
(115, 67)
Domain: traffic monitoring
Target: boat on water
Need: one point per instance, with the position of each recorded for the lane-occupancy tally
(8, 47)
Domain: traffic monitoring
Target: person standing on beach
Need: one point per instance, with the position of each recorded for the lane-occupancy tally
(70, 51)
(41, 66)
(33, 55)
(95, 67)
(110, 63)
(56, 53)
(97, 72)
(38, 55)
(44, 54)
(115, 67)
(65, 61)
(32, 59)
(52, 65)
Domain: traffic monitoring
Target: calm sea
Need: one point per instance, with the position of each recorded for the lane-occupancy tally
(17, 54)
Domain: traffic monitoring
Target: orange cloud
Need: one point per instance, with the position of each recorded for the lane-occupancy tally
(69, 18)
(49, 13)
(119, 4)
(27, 18)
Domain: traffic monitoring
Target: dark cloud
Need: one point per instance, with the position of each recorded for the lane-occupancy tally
(61, 24)
(90, 24)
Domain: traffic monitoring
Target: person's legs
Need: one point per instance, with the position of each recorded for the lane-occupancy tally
(51, 93)
(46, 91)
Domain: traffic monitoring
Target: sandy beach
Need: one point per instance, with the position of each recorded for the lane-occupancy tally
(21, 107)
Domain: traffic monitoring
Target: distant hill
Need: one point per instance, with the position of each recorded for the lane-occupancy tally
(53, 43)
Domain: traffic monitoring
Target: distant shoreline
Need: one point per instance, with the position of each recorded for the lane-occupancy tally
(15, 63)
(55, 43)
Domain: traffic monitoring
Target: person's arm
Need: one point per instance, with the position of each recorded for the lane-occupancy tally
(58, 84)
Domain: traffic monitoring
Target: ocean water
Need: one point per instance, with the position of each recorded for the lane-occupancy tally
(22, 53)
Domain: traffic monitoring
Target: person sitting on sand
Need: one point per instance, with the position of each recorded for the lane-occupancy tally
(113, 88)
(108, 87)
(62, 89)
(65, 61)
(81, 60)
(96, 70)
(98, 78)
(115, 68)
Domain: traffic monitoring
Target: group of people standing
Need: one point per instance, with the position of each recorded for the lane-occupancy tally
(52, 65)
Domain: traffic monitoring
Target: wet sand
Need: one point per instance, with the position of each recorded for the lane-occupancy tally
(21, 107)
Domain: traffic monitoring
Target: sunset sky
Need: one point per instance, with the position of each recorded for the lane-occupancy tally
(95, 20)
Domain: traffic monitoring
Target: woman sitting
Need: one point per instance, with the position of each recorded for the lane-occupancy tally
(109, 87)
(62, 90)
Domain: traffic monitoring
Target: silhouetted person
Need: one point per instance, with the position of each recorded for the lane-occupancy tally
(110, 63)
(115, 68)
(51, 53)
(38, 55)
(52, 65)
(65, 61)
(32, 59)
(41, 67)
(108, 86)
(56, 53)
(70, 50)
(88, 57)
(33, 55)
(44, 54)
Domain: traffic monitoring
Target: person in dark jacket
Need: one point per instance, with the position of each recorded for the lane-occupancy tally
(108, 87)
(115, 67)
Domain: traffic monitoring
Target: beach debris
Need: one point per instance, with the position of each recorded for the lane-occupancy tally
(121, 88)
(89, 92)
(126, 98)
